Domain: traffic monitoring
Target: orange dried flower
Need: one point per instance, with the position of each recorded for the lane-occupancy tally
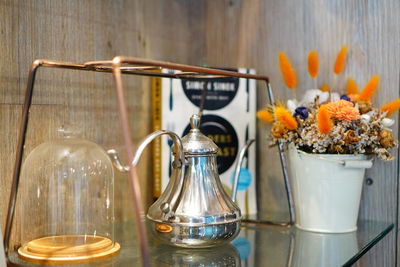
(340, 60)
(285, 117)
(353, 97)
(391, 107)
(352, 87)
(370, 88)
(325, 88)
(265, 116)
(313, 63)
(325, 124)
(343, 110)
(288, 73)
(364, 106)
(278, 130)
(386, 139)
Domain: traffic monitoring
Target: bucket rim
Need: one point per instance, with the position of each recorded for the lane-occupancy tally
(331, 156)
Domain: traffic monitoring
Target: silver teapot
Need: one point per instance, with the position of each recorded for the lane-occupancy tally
(194, 210)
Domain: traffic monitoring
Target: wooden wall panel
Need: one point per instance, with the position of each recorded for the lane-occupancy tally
(80, 31)
(251, 33)
(62, 31)
(174, 31)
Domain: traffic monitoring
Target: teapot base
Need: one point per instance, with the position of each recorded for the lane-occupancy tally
(203, 236)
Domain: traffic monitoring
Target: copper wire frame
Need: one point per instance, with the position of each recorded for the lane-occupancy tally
(134, 66)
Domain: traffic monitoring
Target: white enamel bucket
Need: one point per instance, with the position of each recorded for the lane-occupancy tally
(327, 190)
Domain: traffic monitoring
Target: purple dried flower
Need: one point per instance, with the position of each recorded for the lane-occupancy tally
(302, 112)
(345, 97)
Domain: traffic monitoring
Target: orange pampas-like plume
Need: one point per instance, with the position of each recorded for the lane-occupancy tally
(391, 107)
(288, 73)
(340, 62)
(352, 87)
(313, 63)
(285, 117)
(369, 89)
(325, 88)
(324, 120)
(265, 116)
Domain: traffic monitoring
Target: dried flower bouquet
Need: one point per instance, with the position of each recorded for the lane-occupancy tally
(327, 122)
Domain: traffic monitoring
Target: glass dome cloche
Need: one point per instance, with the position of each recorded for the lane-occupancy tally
(67, 202)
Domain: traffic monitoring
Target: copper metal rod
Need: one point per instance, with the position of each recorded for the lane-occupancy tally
(143, 71)
(18, 160)
(105, 65)
(123, 112)
(182, 67)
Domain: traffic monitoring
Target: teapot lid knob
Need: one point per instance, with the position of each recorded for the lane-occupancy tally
(195, 121)
(196, 143)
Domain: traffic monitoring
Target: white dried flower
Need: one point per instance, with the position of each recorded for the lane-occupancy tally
(386, 122)
(311, 94)
(365, 118)
(292, 104)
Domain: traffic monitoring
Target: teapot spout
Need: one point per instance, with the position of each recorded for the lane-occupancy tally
(179, 157)
(242, 153)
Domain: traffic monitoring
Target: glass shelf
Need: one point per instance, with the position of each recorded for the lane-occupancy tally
(256, 245)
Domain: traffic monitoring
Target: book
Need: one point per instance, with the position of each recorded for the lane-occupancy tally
(228, 118)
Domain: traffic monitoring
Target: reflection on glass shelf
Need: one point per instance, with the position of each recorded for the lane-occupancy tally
(164, 255)
(327, 249)
(256, 245)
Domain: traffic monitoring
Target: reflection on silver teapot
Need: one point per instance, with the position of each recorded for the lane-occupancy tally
(194, 210)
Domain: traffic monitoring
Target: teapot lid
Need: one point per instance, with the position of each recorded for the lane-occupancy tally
(196, 143)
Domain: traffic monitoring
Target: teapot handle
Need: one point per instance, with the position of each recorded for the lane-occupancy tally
(237, 168)
(179, 157)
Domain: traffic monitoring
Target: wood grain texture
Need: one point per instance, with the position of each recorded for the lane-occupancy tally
(251, 33)
(80, 31)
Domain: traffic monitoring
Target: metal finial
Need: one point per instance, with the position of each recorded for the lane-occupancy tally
(195, 121)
